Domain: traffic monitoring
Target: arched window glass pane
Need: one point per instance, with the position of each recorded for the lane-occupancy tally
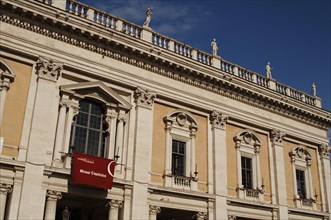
(88, 130)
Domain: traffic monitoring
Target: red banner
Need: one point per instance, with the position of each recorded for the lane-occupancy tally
(92, 171)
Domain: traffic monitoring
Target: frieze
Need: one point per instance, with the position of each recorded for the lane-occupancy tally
(218, 86)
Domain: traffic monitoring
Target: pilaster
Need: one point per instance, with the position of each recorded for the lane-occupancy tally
(324, 153)
(142, 152)
(114, 206)
(276, 137)
(51, 201)
(218, 126)
(153, 211)
(42, 136)
(4, 190)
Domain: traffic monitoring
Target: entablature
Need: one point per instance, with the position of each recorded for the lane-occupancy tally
(122, 45)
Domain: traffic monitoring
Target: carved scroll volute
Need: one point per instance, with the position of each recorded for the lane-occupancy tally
(324, 150)
(144, 98)
(277, 136)
(218, 120)
(48, 69)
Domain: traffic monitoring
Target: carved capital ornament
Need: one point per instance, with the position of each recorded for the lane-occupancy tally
(144, 98)
(154, 209)
(218, 120)
(277, 136)
(324, 150)
(48, 69)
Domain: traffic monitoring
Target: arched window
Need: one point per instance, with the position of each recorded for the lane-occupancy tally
(180, 166)
(302, 179)
(248, 146)
(89, 130)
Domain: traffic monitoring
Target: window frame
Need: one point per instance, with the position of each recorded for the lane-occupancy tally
(102, 130)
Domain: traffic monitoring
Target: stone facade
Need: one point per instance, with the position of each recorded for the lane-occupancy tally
(187, 128)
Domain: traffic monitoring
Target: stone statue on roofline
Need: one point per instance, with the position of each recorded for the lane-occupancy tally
(313, 89)
(214, 47)
(268, 70)
(148, 17)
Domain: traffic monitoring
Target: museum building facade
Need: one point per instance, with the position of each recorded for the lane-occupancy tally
(193, 135)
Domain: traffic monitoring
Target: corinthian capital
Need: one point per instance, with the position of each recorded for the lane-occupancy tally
(154, 209)
(218, 120)
(144, 98)
(5, 188)
(116, 204)
(53, 195)
(324, 150)
(48, 69)
(277, 136)
(201, 215)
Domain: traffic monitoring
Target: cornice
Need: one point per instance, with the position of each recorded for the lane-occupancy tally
(61, 26)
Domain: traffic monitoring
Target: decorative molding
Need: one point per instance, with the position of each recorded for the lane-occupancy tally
(218, 120)
(276, 136)
(232, 217)
(115, 204)
(191, 77)
(144, 98)
(5, 188)
(324, 150)
(202, 215)
(48, 69)
(53, 195)
(154, 209)
(6, 76)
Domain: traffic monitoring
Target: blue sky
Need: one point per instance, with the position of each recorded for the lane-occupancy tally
(294, 35)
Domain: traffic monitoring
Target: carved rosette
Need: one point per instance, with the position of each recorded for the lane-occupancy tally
(144, 98)
(53, 195)
(324, 150)
(115, 204)
(201, 215)
(218, 120)
(48, 69)
(302, 153)
(154, 210)
(5, 188)
(277, 136)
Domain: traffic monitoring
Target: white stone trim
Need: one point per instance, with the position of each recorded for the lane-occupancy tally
(248, 144)
(180, 125)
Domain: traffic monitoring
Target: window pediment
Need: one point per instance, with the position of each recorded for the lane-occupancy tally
(96, 90)
(181, 118)
(248, 137)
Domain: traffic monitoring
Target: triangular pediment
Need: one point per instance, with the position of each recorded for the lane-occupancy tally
(96, 90)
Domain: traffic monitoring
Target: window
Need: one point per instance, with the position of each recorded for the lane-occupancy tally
(248, 145)
(301, 186)
(178, 158)
(302, 180)
(246, 172)
(88, 130)
(180, 166)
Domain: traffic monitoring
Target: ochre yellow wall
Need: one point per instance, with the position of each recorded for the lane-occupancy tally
(265, 166)
(15, 105)
(158, 151)
(231, 132)
(288, 172)
(288, 146)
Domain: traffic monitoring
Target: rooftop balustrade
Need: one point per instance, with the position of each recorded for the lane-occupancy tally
(117, 24)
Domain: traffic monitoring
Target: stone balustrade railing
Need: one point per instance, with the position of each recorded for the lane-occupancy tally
(118, 24)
